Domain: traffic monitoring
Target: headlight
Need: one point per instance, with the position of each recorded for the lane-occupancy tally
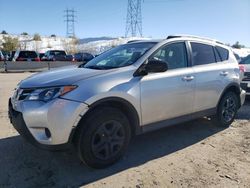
(46, 94)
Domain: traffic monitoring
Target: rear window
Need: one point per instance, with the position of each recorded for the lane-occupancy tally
(57, 53)
(27, 54)
(202, 54)
(223, 53)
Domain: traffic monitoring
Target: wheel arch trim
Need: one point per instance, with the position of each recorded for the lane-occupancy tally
(231, 86)
(126, 107)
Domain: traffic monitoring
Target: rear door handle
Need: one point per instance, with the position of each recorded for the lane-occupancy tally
(187, 78)
(224, 73)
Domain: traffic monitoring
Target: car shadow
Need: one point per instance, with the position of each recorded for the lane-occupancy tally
(26, 166)
(244, 112)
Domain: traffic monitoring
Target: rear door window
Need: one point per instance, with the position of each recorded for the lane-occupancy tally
(202, 54)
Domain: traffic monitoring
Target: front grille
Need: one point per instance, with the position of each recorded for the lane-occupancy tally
(246, 76)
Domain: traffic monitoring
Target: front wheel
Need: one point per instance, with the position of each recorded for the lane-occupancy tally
(227, 109)
(104, 137)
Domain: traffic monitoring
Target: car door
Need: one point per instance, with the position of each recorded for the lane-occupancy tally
(168, 94)
(208, 74)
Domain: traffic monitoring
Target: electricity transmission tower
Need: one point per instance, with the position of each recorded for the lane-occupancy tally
(134, 19)
(70, 19)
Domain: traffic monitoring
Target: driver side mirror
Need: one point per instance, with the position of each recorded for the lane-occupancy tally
(156, 66)
(153, 66)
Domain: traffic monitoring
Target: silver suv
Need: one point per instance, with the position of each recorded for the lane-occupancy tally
(131, 89)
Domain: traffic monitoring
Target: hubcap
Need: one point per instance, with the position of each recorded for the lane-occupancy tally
(229, 109)
(108, 140)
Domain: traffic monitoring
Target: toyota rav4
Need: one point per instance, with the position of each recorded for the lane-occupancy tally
(131, 89)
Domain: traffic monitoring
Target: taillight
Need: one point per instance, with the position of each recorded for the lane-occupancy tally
(37, 59)
(19, 59)
(242, 68)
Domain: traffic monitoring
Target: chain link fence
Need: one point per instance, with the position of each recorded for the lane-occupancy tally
(25, 66)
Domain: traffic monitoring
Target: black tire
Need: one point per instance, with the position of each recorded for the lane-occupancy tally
(103, 138)
(227, 109)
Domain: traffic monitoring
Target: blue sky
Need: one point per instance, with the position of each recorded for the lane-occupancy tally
(225, 20)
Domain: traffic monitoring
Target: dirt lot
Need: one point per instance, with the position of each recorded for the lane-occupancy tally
(194, 154)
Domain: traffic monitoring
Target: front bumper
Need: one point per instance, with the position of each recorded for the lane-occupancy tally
(242, 97)
(245, 86)
(47, 125)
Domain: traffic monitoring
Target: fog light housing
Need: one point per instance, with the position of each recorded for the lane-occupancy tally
(47, 133)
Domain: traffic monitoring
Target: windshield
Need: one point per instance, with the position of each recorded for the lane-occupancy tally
(120, 56)
(28, 54)
(245, 60)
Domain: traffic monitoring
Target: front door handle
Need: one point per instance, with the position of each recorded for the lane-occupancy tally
(224, 73)
(187, 78)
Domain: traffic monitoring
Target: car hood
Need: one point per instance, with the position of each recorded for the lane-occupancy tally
(59, 77)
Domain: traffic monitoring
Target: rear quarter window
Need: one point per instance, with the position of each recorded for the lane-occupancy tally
(223, 53)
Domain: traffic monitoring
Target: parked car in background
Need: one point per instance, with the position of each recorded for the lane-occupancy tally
(70, 58)
(25, 55)
(55, 55)
(129, 90)
(6, 55)
(11, 55)
(1, 56)
(41, 55)
(83, 57)
(245, 67)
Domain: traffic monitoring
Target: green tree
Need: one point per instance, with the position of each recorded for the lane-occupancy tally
(24, 33)
(238, 45)
(53, 35)
(4, 32)
(37, 37)
(10, 44)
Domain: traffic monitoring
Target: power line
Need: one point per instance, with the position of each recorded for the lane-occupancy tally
(134, 19)
(70, 19)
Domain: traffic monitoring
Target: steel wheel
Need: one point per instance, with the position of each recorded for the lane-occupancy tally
(108, 140)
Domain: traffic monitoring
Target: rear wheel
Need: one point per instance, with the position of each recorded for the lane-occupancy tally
(104, 137)
(227, 109)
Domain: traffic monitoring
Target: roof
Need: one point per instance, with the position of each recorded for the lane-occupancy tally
(193, 37)
(181, 36)
(145, 40)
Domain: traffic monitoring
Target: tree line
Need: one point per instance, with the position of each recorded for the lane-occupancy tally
(11, 44)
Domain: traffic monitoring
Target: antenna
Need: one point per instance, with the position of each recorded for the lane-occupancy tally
(70, 20)
(134, 19)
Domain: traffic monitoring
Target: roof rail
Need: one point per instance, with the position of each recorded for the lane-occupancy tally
(136, 40)
(193, 36)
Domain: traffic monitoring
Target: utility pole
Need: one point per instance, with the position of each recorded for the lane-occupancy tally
(134, 19)
(70, 19)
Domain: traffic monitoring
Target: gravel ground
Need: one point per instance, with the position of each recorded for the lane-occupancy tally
(194, 154)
